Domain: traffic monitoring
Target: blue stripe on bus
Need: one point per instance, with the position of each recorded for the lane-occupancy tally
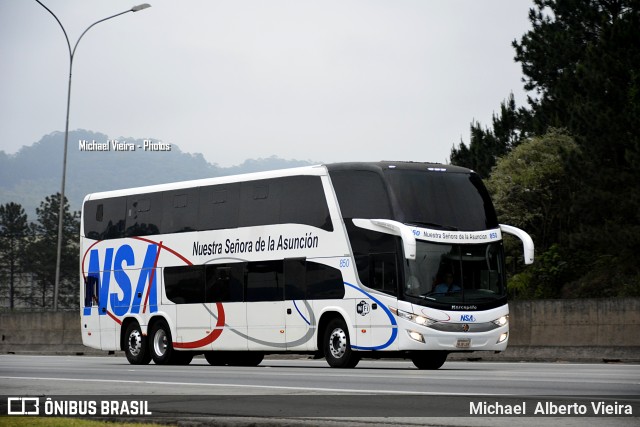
(394, 324)
(300, 313)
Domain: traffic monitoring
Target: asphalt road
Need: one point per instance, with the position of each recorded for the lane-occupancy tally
(294, 391)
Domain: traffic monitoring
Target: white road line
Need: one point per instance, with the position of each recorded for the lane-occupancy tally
(169, 383)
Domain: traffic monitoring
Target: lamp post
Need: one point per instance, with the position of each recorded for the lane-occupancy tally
(66, 136)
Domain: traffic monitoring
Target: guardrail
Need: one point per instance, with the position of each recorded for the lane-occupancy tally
(576, 330)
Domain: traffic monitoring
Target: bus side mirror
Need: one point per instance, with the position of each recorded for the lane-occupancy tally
(391, 227)
(527, 241)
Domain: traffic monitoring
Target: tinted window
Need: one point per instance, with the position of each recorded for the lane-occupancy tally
(259, 203)
(383, 274)
(224, 283)
(378, 271)
(104, 218)
(324, 282)
(361, 194)
(288, 200)
(453, 200)
(144, 214)
(376, 258)
(303, 202)
(219, 207)
(265, 281)
(311, 280)
(295, 283)
(185, 284)
(180, 211)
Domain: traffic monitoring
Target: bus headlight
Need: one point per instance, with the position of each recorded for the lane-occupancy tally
(415, 318)
(501, 321)
(503, 337)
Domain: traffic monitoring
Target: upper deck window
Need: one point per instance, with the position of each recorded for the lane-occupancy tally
(361, 194)
(284, 200)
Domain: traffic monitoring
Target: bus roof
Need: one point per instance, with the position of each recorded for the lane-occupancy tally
(399, 165)
(317, 170)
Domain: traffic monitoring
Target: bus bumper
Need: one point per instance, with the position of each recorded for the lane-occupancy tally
(423, 338)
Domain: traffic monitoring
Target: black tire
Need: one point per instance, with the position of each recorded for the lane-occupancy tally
(160, 344)
(182, 357)
(234, 358)
(337, 346)
(249, 358)
(135, 345)
(429, 359)
(216, 358)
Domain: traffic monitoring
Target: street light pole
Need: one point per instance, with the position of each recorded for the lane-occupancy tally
(66, 136)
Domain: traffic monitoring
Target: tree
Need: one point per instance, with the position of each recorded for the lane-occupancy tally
(582, 59)
(487, 145)
(42, 253)
(581, 64)
(532, 189)
(14, 230)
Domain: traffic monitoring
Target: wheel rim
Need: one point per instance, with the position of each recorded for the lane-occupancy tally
(135, 342)
(160, 343)
(338, 343)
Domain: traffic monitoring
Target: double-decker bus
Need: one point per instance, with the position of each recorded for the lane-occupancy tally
(342, 261)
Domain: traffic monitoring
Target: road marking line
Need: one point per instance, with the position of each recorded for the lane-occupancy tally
(332, 390)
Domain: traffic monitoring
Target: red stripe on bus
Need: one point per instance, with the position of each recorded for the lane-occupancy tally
(214, 335)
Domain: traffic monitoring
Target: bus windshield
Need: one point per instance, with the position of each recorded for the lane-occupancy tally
(450, 201)
(451, 274)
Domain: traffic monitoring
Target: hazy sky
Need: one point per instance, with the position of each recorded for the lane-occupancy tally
(342, 80)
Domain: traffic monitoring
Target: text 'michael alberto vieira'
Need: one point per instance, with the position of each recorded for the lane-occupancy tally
(548, 408)
(116, 145)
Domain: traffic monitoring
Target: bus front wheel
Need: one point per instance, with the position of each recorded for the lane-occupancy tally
(429, 359)
(337, 346)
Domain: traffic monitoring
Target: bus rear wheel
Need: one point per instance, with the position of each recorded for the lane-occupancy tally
(337, 346)
(161, 347)
(429, 359)
(135, 345)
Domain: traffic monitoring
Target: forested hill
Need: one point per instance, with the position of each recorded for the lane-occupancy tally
(35, 171)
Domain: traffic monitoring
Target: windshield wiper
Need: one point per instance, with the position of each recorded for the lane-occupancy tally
(433, 224)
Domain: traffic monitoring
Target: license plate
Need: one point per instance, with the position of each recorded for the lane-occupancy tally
(463, 343)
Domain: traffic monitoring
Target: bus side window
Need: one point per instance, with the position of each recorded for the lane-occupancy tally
(185, 284)
(383, 273)
(295, 283)
(218, 206)
(264, 281)
(324, 282)
(224, 283)
(179, 211)
(104, 218)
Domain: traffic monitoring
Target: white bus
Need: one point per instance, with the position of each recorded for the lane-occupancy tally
(342, 261)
